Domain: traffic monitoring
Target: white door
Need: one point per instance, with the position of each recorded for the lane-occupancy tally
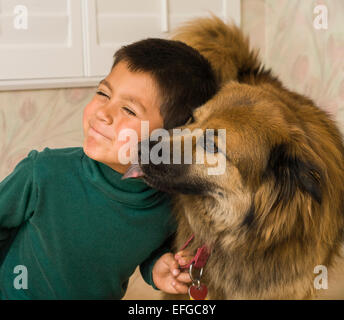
(112, 24)
(40, 39)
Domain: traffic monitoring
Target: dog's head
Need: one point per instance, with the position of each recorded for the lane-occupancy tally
(256, 156)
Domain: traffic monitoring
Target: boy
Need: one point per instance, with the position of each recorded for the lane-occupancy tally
(70, 228)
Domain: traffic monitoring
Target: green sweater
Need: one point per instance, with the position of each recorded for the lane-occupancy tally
(78, 229)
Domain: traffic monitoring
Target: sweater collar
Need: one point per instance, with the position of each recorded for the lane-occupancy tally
(131, 192)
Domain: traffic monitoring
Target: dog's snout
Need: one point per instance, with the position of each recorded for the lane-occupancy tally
(144, 149)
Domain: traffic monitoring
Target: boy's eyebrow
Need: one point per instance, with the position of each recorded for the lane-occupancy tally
(106, 83)
(130, 98)
(134, 100)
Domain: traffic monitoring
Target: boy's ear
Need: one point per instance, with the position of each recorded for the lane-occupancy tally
(294, 171)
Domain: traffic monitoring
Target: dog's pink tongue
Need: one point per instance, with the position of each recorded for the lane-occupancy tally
(134, 171)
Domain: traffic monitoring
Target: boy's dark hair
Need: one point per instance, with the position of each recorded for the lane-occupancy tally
(185, 78)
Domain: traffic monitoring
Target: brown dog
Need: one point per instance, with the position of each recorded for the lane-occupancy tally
(277, 211)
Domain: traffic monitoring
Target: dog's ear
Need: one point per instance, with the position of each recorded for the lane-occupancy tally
(293, 171)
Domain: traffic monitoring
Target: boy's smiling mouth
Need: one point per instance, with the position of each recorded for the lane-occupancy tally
(98, 132)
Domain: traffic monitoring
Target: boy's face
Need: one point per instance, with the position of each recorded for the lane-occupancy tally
(122, 101)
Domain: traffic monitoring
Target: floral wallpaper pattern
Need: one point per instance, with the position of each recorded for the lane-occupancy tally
(307, 60)
(37, 119)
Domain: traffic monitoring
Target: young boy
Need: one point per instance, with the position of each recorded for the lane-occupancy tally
(70, 228)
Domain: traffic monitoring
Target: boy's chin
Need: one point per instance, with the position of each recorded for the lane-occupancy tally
(89, 152)
(100, 157)
(93, 153)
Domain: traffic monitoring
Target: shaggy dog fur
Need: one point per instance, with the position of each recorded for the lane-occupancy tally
(278, 210)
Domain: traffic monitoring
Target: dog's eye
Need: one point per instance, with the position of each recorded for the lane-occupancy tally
(191, 120)
(208, 144)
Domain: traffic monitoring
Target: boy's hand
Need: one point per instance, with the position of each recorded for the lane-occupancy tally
(183, 257)
(167, 275)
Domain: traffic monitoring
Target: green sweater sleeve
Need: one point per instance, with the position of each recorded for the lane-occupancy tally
(17, 196)
(146, 267)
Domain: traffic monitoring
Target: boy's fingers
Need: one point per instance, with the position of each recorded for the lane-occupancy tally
(184, 277)
(173, 265)
(180, 287)
(179, 254)
(182, 253)
(184, 261)
(183, 257)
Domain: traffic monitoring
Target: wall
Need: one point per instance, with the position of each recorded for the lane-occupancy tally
(37, 119)
(307, 60)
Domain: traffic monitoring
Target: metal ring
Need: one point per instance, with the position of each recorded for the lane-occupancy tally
(198, 279)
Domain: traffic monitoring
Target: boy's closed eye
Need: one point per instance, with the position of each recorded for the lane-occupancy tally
(129, 111)
(101, 93)
(126, 109)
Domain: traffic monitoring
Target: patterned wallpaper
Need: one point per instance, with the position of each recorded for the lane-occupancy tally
(307, 60)
(37, 119)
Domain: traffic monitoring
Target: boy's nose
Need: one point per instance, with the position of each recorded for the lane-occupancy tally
(106, 114)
